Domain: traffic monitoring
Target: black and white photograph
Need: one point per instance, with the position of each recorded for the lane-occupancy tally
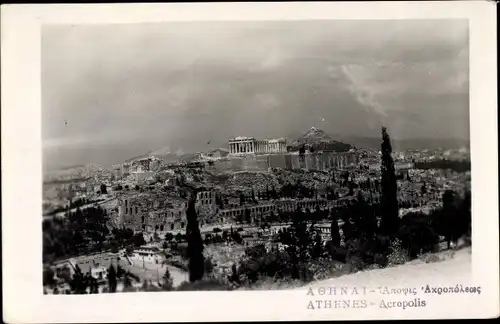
(326, 156)
(252, 155)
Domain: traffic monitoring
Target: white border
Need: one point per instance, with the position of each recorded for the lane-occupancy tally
(21, 167)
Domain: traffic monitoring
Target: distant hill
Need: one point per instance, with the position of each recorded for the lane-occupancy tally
(408, 144)
(74, 172)
(319, 140)
(163, 153)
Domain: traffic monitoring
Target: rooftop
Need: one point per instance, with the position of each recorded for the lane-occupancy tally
(241, 138)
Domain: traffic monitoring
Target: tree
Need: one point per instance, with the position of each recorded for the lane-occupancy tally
(235, 236)
(317, 214)
(364, 218)
(79, 282)
(239, 217)
(302, 151)
(169, 237)
(195, 242)
(351, 188)
(335, 232)
(64, 274)
(301, 234)
(112, 282)
(104, 189)
(248, 216)
(389, 200)
(272, 217)
(274, 194)
(138, 239)
(242, 199)
(317, 248)
(416, 234)
(453, 220)
(48, 277)
(168, 282)
(93, 284)
(234, 277)
(423, 189)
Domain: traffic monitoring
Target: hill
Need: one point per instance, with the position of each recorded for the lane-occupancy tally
(163, 153)
(319, 140)
(408, 144)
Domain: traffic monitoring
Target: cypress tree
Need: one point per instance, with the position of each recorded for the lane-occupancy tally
(389, 199)
(195, 242)
(112, 282)
(335, 232)
(242, 199)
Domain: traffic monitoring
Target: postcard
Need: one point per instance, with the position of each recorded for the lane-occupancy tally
(249, 161)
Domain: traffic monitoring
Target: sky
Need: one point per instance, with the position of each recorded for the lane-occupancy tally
(112, 92)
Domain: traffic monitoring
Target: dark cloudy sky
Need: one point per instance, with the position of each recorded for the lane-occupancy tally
(111, 92)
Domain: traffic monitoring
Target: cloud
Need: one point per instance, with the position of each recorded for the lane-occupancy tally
(363, 87)
(267, 101)
(179, 83)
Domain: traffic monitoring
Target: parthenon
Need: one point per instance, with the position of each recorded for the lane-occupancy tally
(249, 145)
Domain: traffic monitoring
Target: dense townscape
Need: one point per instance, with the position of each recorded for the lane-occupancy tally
(251, 215)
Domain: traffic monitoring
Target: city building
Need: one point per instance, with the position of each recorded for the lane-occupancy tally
(149, 254)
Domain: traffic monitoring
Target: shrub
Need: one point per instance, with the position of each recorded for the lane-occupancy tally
(429, 258)
(209, 283)
(323, 268)
(354, 263)
(168, 282)
(259, 263)
(208, 266)
(398, 254)
(336, 253)
(417, 235)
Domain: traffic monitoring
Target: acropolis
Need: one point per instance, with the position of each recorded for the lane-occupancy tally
(249, 145)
